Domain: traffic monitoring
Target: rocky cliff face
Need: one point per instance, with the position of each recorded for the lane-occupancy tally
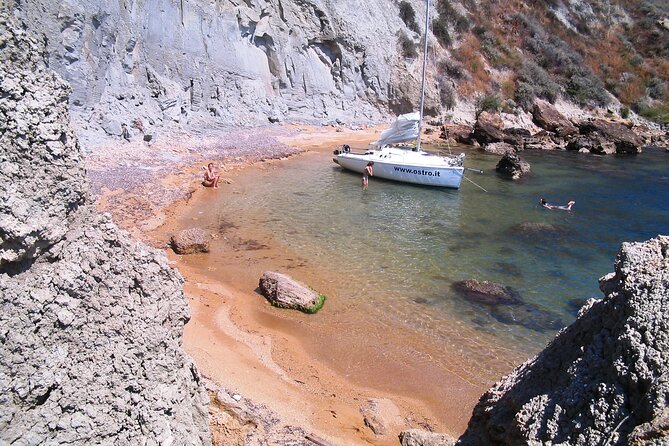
(604, 379)
(90, 322)
(225, 62)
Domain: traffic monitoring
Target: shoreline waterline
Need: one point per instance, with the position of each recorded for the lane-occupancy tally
(365, 353)
(347, 349)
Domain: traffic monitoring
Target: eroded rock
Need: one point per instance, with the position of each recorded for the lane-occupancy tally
(512, 166)
(42, 176)
(488, 129)
(90, 321)
(602, 380)
(190, 241)
(284, 292)
(610, 137)
(546, 116)
(487, 293)
(417, 437)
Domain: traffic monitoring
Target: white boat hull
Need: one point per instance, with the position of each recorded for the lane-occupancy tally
(405, 166)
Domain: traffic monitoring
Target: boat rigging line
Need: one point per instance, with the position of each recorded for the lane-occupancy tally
(474, 183)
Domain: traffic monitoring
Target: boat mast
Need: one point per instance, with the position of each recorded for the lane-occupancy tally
(422, 84)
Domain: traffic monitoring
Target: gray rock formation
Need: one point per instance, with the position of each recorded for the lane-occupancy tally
(200, 63)
(42, 188)
(90, 322)
(604, 379)
(417, 437)
(284, 292)
(190, 241)
(512, 166)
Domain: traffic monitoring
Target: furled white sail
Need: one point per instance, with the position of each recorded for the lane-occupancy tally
(405, 128)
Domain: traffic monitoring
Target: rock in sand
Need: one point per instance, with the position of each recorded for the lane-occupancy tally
(190, 241)
(284, 292)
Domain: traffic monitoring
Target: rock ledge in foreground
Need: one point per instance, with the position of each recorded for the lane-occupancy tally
(284, 292)
(603, 379)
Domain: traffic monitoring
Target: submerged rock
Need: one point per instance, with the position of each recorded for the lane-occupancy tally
(512, 166)
(284, 292)
(602, 380)
(527, 315)
(487, 293)
(539, 229)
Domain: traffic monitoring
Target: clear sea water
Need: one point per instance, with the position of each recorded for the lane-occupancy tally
(399, 248)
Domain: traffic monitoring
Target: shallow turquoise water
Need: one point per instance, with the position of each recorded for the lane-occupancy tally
(399, 247)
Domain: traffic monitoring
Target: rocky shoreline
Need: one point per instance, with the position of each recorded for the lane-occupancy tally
(92, 321)
(548, 129)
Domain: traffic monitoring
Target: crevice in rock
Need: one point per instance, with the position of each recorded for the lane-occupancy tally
(41, 399)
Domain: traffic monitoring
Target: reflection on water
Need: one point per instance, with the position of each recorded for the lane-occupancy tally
(397, 248)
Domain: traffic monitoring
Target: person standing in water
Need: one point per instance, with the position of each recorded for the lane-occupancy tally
(210, 178)
(368, 172)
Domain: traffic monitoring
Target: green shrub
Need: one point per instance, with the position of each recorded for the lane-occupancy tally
(447, 94)
(657, 88)
(451, 69)
(440, 31)
(448, 14)
(657, 112)
(490, 103)
(586, 89)
(533, 81)
(408, 46)
(625, 112)
(408, 16)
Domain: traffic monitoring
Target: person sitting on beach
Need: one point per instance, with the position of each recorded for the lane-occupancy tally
(368, 172)
(210, 178)
(566, 207)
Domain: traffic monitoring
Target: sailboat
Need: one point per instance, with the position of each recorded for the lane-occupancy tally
(401, 164)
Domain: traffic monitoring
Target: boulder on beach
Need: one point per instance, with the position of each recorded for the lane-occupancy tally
(512, 166)
(612, 135)
(546, 116)
(603, 379)
(460, 133)
(418, 437)
(190, 241)
(487, 293)
(284, 292)
(499, 148)
(488, 129)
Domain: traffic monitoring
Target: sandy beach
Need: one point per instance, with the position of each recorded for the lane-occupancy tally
(340, 383)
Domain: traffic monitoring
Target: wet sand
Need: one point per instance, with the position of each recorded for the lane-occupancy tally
(320, 372)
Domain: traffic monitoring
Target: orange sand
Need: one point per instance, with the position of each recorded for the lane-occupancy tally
(312, 372)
